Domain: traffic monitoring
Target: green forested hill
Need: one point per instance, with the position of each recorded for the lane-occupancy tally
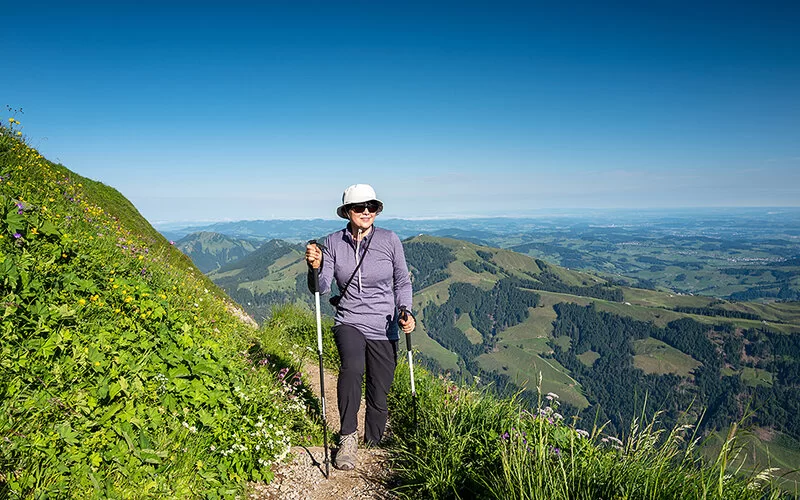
(210, 251)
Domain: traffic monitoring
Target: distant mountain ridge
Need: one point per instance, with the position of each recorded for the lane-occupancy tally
(209, 251)
(738, 254)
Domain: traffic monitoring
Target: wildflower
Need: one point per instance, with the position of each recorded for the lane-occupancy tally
(10, 120)
(17, 235)
(82, 301)
(615, 440)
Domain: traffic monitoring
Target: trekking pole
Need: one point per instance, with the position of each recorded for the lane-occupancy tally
(315, 272)
(404, 317)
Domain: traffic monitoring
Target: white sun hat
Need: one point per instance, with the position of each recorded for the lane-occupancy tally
(357, 193)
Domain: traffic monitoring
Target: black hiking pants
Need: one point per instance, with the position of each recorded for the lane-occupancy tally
(378, 358)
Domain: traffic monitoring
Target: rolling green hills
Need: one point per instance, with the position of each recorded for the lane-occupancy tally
(468, 297)
(210, 251)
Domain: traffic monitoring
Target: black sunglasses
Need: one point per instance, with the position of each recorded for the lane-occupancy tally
(358, 208)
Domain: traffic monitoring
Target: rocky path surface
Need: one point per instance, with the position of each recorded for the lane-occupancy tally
(304, 477)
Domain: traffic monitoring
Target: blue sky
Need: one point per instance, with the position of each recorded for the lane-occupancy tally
(236, 110)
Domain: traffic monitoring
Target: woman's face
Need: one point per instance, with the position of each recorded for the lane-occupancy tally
(362, 215)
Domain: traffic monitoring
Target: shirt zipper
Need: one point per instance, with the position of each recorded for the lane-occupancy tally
(358, 256)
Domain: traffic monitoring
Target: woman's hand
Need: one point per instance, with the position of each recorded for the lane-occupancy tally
(313, 255)
(407, 324)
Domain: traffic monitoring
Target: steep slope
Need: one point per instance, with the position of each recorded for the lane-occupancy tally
(210, 251)
(125, 371)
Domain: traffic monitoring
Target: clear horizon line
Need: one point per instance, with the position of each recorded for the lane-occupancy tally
(529, 213)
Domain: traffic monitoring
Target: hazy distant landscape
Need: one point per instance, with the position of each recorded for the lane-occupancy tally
(736, 253)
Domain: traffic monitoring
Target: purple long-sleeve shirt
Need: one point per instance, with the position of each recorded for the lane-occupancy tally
(380, 287)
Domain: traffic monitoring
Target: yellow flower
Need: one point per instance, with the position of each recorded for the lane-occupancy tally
(94, 298)
(81, 301)
(115, 286)
(19, 133)
(34, 231)
(128, 299)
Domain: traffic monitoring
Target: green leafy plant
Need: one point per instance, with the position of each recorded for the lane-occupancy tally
(125, 372)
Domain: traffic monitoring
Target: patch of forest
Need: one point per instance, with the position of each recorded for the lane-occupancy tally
(490, 312)
(617, 388)
(548, 281)
(715, 311)
(427, 262)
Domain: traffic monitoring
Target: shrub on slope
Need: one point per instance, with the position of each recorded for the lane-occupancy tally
(123, 372)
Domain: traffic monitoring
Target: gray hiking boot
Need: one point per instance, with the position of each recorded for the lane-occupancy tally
(347, 457)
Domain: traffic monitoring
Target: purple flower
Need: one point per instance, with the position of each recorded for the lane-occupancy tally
(17, 235)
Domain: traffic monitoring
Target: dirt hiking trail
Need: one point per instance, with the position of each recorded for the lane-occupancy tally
(304, 477)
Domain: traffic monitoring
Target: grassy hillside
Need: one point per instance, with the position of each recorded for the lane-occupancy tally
(125, 371)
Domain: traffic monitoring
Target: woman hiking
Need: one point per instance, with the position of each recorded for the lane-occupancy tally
(369, 266)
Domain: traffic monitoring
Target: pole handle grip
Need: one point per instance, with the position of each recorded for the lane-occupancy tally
(404, 316)
(314, 272)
